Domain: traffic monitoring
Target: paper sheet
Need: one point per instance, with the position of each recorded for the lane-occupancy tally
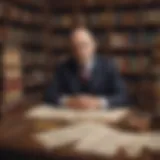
(110, 140)
(56, 138)
(104, 115)
(44, 111)
(61, 113)
(90, 142)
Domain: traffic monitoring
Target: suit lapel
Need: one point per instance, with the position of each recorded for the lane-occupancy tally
(74, 78)
(95, 76)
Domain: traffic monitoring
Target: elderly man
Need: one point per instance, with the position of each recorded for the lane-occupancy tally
(86, 80)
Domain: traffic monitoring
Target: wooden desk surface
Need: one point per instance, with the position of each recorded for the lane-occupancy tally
(16, 135)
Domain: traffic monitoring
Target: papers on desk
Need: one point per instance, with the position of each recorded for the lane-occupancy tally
(109, 142)
(49, 112)
(61, 113)
(99, 139)
(89, 135)
(67, 135)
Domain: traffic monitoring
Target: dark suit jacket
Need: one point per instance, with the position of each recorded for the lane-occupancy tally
(105, 81)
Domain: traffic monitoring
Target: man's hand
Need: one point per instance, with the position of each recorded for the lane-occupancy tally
(90, 102)
(73, 102)
(83, 102)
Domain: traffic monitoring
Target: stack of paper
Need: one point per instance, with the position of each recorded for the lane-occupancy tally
(99, 139)
(61, 113)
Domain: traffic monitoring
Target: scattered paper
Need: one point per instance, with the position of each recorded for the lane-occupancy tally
(56, 138)
(89, 143)
(97, 138)
(91, 136)
(110, 140)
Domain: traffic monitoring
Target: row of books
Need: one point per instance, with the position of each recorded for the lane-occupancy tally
(34, 78)
(153, 91)
(132, 64)
(156, 71)
(2, 33)
(122, 39)
(1, 10)
(27, 36)
(12, 78)
(103, 19)
(113, 39)
(25, 16)
(126, 64)
(33, 58)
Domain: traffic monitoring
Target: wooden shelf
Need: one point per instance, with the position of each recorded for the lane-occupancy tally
(120, 27)
(37, 86)
(95, 3)
(132, 74)
(136, 49)
(30, 3)
(150, 3)
(24, 25)
(103, 3)
(151, 25)
(124, 16)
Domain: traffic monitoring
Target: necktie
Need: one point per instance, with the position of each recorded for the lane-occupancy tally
(85, 75)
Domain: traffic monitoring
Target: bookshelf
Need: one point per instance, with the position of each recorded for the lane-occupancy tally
(155, 72)
(125, 30)
(24, 58)
(2, 38)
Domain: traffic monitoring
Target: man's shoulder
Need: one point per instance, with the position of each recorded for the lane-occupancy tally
(104, 60)
(64, 64)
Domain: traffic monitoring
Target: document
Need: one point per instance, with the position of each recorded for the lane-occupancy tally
(89, 143)
(61, 137)
(96, 138)
(108, 142)
(105, 115)
(45, 111)
(49, 112)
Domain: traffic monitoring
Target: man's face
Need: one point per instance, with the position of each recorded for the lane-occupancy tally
(83, 45)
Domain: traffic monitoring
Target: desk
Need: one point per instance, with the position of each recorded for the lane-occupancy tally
(16, 140)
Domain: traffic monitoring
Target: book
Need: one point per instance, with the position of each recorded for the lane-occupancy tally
(1, 9)
(64, 20)
(128, 18)
(107, 18)
(151, 16)
(118, 40)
